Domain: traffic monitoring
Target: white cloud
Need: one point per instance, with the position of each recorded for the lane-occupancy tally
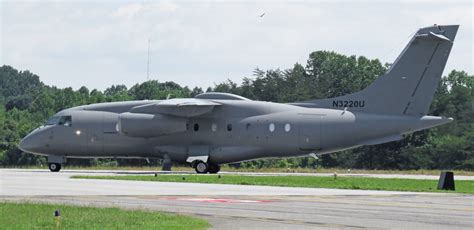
(128, 10)
(164, 6)
(198, 43)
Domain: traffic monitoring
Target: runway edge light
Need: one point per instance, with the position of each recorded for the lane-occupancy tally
(57, 217)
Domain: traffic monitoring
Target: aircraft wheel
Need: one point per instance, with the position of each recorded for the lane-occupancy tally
(54, 167)
(201, 167)
(213, 169)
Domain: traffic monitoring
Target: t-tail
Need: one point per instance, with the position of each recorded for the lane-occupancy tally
(408, 87)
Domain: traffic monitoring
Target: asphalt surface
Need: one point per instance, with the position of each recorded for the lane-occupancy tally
(248, 207)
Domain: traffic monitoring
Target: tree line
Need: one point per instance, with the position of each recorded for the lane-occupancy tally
(27, 103)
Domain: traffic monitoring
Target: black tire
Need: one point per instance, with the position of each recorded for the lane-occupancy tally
(213, 169)
(54, 167)
(201, 167)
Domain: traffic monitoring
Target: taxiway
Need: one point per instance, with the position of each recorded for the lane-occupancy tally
(248, 207)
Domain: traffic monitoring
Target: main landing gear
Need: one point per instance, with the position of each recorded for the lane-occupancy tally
(54, 167)
(213, 169)
(202, 167)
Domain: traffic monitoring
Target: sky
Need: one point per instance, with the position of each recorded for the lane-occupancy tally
(202, 43)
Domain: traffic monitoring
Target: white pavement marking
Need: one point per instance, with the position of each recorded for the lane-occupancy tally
(214, 200)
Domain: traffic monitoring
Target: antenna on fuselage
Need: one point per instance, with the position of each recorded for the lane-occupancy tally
(148, 62)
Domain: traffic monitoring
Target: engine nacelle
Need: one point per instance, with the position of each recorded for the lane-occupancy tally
(149, 125)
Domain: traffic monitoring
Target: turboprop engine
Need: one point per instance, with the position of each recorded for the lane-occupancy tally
(150, 125)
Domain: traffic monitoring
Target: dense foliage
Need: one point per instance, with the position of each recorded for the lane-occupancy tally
(27, 102)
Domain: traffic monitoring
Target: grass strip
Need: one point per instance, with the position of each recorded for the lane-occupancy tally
(41, 216)
(364, 183)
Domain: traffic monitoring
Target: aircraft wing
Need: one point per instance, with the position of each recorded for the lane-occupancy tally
(182, 107)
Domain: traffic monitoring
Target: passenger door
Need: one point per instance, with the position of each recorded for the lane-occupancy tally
(309, 131)
(95, 136)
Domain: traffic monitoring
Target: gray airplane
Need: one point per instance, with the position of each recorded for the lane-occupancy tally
(218, 128)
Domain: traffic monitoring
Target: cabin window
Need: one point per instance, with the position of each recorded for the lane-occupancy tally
(214, 127)
(247, 126)
(196, 127)
(271, 127)
(287, 127)
(229, 127)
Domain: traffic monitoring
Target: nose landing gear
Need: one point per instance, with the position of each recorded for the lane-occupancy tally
(54, 167)
(55, 161)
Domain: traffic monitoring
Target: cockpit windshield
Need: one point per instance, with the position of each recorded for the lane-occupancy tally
(60, 120)
(53, 121)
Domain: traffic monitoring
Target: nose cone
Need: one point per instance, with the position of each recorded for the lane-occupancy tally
(26, 145)
(32, 143)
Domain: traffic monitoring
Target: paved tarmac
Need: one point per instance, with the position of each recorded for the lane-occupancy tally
(249, 207)
(348, 174)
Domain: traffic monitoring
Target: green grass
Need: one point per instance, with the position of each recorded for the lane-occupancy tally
(40, 216)
(347, 182)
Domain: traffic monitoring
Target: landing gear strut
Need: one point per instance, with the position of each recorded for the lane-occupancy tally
(54, 167)
(166, 163)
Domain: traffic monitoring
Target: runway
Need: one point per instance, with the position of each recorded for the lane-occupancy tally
(249, 207)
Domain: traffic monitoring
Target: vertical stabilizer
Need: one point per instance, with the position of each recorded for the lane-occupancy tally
(407, 88)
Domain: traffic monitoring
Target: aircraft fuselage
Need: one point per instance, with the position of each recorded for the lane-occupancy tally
(236, 131)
